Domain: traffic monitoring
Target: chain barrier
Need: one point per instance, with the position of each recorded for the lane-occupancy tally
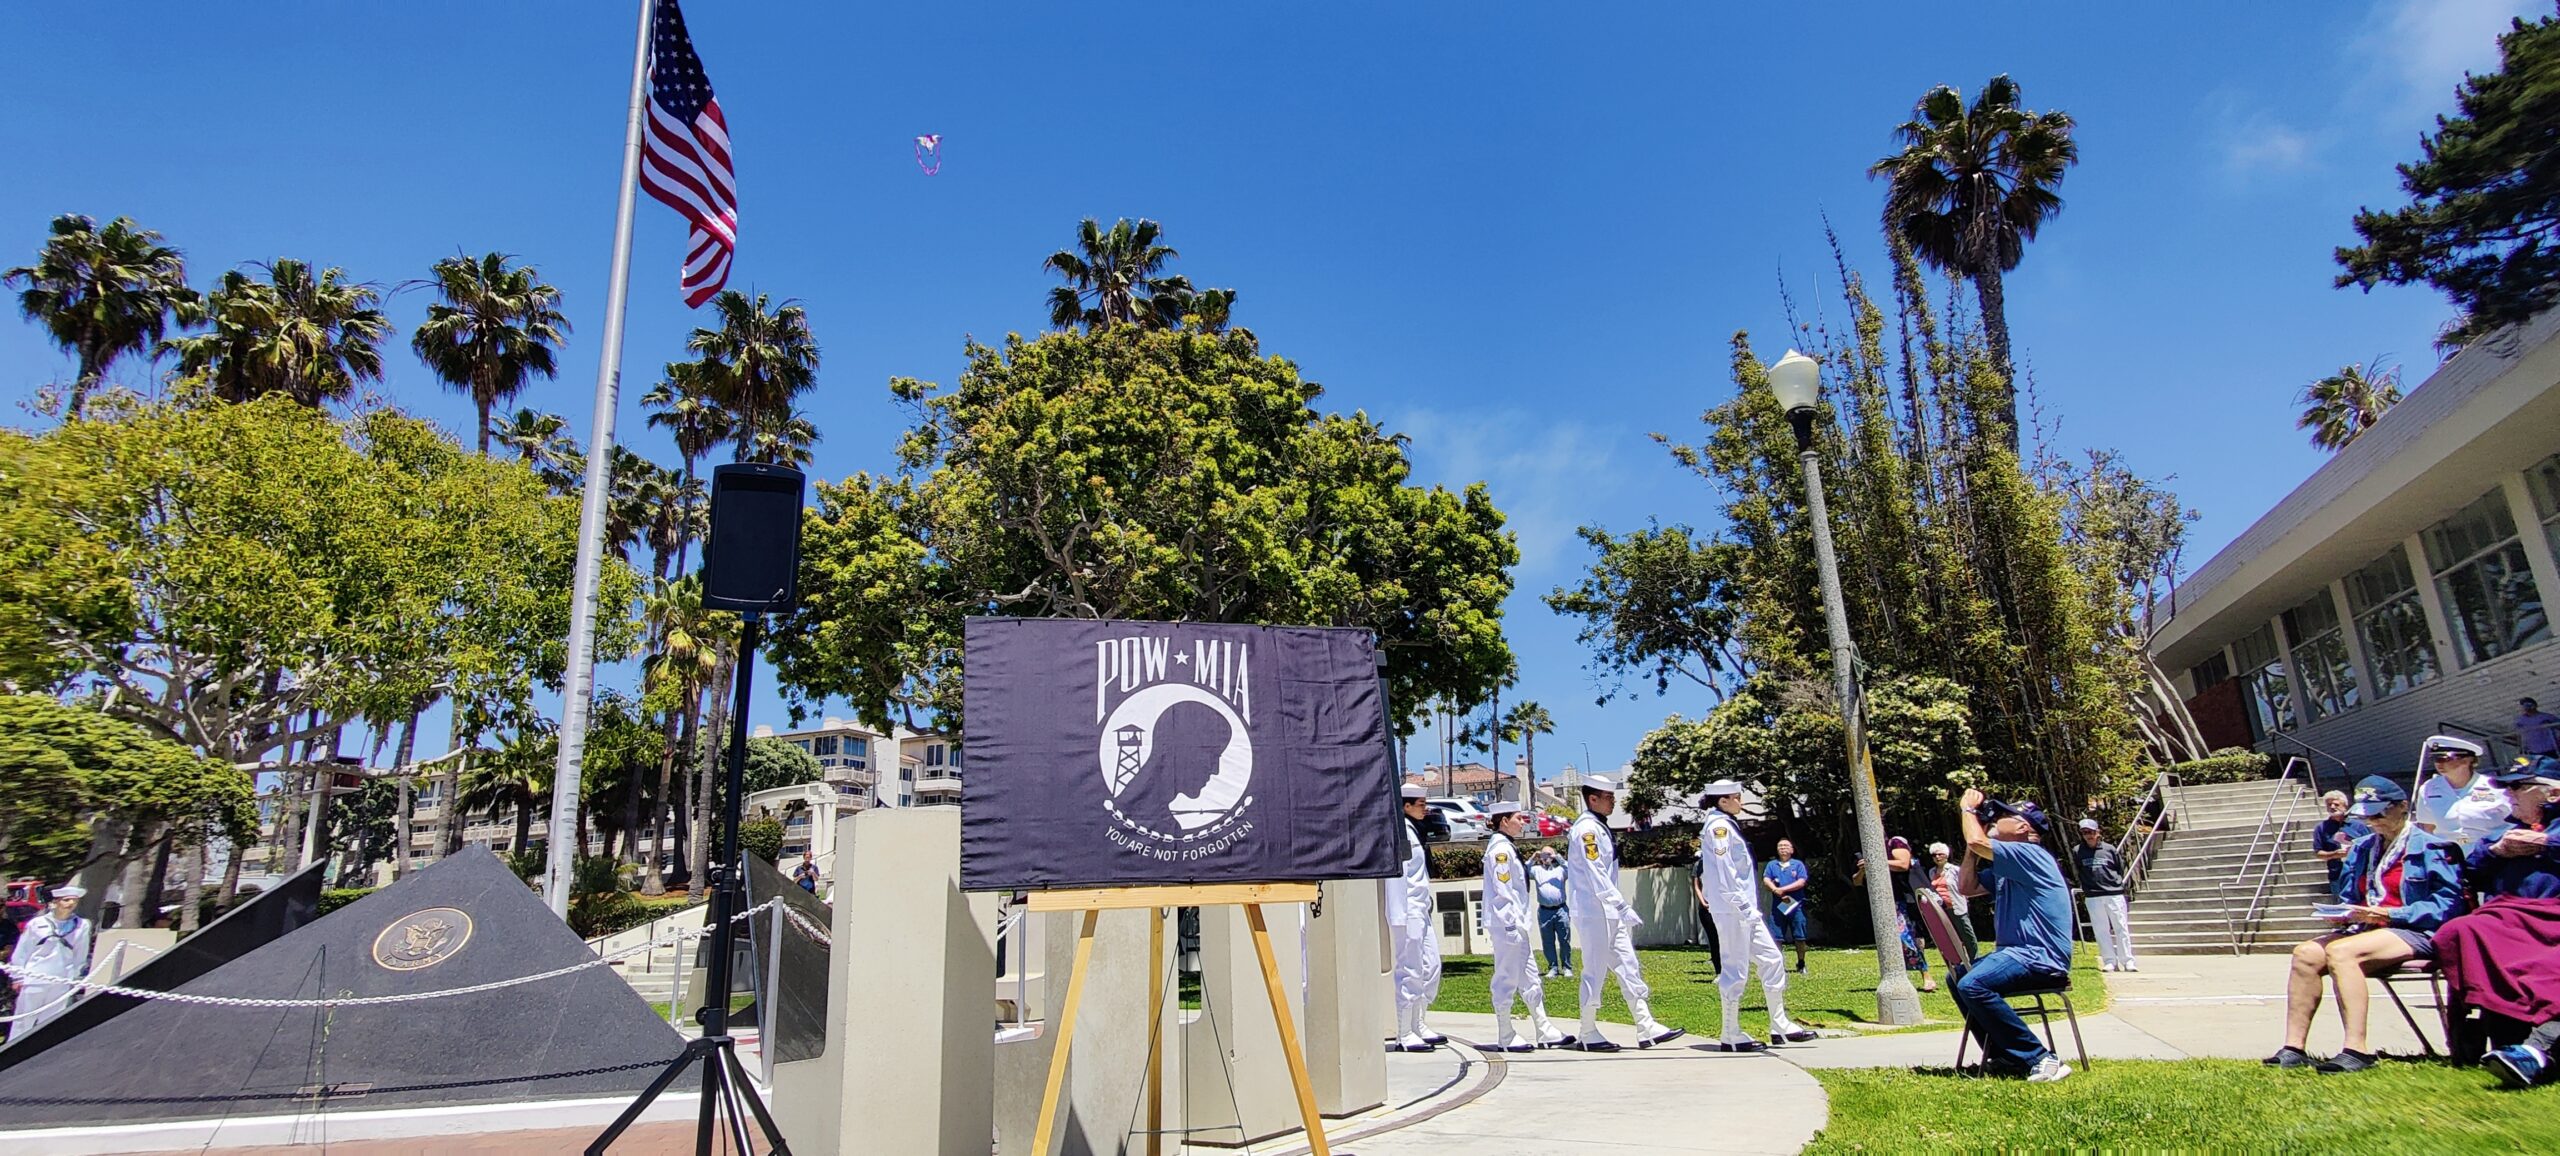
(78, 986)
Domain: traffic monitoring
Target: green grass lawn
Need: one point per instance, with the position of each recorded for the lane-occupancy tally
(2155, 1105)
(1838, 990)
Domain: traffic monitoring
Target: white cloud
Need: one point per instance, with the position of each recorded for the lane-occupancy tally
(2423, 47)
(1546, 476)
(2256, 144)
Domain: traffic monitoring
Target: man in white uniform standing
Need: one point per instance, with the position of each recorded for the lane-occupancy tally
(1409, 911)
(1508, 917)
(52, 954)
(1728, 881)
(1604, 922)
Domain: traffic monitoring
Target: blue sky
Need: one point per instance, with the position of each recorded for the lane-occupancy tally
(1521, 236)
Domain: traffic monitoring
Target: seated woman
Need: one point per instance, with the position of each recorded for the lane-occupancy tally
(2504, 959)
(2398, 886)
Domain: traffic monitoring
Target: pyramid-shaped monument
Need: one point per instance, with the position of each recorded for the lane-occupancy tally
(464, 921)
(251, 924)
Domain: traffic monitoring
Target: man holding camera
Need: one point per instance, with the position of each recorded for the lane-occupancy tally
(2031, 914)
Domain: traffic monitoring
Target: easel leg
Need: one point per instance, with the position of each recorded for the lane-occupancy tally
(1155, 1037)
(1298, 1077)
(1066, 1025)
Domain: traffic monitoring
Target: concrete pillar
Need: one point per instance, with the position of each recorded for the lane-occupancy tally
(1349, 1009)
(1247, 1098)
(1105, 1094)
(910, 1060)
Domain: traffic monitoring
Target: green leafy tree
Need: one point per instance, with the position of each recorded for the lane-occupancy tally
(2337, 409)
(309, 337)
(618, 767)
(773, 762)
(1970, 186)
(1656, 603)
(101, 293)
(244, 579)
(2483, 219)
(756, 361)
(515, 778)
(1129, 473)
(761, 838)
(495, 329)
(88, 791)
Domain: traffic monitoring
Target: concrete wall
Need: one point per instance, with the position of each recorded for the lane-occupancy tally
(1106, 1072)
(1349, 1001)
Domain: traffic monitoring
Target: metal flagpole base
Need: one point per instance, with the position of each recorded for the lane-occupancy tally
(726, 1094)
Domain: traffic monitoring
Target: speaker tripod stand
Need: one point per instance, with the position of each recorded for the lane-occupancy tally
(725, 1088)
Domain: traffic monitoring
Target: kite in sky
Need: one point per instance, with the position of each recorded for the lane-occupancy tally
(929, 153)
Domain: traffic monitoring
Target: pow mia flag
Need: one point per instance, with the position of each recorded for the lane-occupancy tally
(1107, 753)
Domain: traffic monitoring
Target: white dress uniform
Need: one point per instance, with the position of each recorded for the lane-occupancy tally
(1605, 923)
(1730, 883)
(58, 950)
(2463, 814)
(1417, 944)
(1513, 924)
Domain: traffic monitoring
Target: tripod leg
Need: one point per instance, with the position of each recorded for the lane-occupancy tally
(630, 1115)
(755, 1104)
(710, 1101)
(731, 1089)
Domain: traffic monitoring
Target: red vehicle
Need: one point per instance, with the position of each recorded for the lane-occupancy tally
(1549, 826)
(22, 906)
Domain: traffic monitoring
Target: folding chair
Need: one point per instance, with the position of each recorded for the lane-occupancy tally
(1940, 926)
(2421, 971)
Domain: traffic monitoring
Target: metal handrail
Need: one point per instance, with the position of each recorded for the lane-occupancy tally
(2492, 759)
(2138, 859)
(2267, 822)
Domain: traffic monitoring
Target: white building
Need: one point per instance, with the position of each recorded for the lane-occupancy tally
(859, 767)
(2401, 590)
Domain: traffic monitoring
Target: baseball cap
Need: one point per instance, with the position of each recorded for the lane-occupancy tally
(2447, 744)
(2529, 770)
(1995, 808)
(2088, 824)
(1413, 791)
(2374, 795)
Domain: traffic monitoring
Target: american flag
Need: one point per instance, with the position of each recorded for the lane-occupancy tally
(686, 163)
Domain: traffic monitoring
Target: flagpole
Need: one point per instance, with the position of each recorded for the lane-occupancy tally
(582, 606)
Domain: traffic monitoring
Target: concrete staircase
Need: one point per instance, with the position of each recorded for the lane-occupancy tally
(2180, 907)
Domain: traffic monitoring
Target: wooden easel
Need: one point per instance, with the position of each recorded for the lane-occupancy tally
(1093, 903)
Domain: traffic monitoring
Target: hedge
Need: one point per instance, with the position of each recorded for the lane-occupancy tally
(337, 897)
(1674, 846)
(2228, 765)
(591, 916)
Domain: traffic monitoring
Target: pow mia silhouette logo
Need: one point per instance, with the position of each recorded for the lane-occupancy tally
(422, 940)
(1175, 743)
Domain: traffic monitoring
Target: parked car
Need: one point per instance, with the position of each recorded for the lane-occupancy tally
(1550, 827)
(1467, 822)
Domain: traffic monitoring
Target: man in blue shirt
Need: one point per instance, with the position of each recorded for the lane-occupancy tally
(1785, 878)
(2031, 913)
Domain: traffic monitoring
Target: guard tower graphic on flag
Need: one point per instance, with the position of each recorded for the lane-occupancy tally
(1133, 742)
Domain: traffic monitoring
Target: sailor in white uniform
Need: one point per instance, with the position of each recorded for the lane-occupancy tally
(2456, 801)
(1604, 922)
(1417, 942)
(52, 954)
(1513, 923)
(1729, 882)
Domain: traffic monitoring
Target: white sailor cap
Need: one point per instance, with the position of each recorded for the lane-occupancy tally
(70, 891)
(1600, 783)
(1413, 791)
(1498, 810)
(1721, 788)
(2443, 743)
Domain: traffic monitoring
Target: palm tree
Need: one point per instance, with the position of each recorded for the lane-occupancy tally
(688, 641)
(757, 361)
(101, 293)
(2337, 409)
(682, 403)
(494, 331)
(1112, 276)
(1526, 722)
(631, 499)
(676, 511)
(517, 776)
(1970, 188)
(785, 442)
(542, 441)
(310, 338)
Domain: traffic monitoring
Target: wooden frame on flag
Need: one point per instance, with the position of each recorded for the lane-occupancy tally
(1092, 902)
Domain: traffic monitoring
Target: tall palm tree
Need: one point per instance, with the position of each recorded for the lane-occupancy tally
(632, 496)
(2337, 409)
(758, 360)
(1526, 722)
(684, 404)
(495, 330)
(1969, 189)
(542, 441)
(687, 638)
(677, 510)
(785, 442)
(1113, 275)
(517, 777)
(309, 337)
(101, 293)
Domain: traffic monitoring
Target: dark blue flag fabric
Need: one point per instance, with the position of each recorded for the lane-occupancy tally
(1140, 753)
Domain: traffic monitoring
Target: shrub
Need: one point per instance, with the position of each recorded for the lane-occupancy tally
(2228, 765)
(337, 897)
(761, 838)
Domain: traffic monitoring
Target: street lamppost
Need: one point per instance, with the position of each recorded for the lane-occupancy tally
(1797, 380)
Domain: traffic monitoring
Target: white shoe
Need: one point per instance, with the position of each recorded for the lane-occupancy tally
(2106, 967)
(2128, 966)
(2049, 1070)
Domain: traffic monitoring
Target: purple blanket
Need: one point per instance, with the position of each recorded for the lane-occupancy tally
(2505, 958)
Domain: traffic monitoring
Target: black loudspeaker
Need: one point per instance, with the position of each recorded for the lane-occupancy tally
(752, 562)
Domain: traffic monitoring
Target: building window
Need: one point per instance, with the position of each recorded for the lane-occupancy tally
(955, 747)
(2263, 682)
(2210, 673)
(2479, 566)
(826, 746)
(803, 744)
(857, 752)
(933, 755)
(2383, 597)
(2320, 653)
(2544, 480)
